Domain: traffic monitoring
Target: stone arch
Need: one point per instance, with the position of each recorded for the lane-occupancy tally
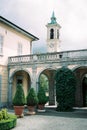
(80, 72)
(49, 72)
(77, 67)
(18, 76)
(43, 70)
(16, 70)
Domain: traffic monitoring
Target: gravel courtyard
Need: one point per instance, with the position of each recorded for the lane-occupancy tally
(52, 120)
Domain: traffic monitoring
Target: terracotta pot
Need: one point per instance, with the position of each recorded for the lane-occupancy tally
(31, 109)
(19, 110)
(41, 106)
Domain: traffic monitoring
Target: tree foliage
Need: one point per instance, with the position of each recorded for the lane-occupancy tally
(42, 96)
(65, 89)
(19, 98)
(32, 98)
(44, 82)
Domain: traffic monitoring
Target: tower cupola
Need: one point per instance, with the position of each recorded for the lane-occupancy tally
(53, 35)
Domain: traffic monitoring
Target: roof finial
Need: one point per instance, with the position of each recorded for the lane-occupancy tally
(53, 15)
(53, 18)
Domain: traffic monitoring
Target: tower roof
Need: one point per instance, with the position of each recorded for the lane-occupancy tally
(53, 18)
(53, 21)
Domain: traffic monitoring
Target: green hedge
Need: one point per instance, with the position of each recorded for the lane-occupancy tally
(7, 121)
(65, 89)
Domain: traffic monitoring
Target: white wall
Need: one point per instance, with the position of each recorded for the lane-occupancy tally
(10, 45)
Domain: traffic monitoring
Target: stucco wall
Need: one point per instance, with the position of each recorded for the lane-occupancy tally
(10, 44)
(4, 84)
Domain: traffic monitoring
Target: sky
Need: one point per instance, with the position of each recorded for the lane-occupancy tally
(33, 16)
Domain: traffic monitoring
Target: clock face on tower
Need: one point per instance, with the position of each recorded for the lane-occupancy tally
(51, 45)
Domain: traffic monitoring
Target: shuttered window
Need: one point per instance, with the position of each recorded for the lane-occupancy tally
(19, 48)
(1, 44)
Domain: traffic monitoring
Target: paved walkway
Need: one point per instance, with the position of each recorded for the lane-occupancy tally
(52, 120)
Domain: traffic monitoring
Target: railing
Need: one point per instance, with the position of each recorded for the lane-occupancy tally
(48, 56)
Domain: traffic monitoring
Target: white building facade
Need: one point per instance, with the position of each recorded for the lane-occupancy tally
(19, 65)
(14, 41)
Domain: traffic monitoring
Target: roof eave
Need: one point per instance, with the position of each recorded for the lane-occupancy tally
(34, 38)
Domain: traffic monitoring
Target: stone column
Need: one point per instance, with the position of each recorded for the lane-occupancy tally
(51, 90)
(78, 94)
(37, 86)
(10, 93)
(34, 75)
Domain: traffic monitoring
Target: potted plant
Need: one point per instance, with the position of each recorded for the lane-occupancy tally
(32, 100)
(19, 101)
(42, 99)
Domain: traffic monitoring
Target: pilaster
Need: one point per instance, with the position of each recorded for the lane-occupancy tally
(10, 93)
(34, 75)
(51, 90)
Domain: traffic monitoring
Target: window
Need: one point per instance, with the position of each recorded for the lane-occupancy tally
(19, 79)
(1, 45)
(19, 48)
(58, 34)
(52, 34)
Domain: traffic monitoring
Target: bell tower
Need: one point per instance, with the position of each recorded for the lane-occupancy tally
(53, 35)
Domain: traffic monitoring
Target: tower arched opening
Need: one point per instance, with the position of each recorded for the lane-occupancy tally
(52, 33)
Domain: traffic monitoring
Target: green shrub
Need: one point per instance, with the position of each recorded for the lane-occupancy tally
(42, 96)
(1, 115)
(4, 114)
(65, 89)
(32, 99)
(19, 98)
(7, 121)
